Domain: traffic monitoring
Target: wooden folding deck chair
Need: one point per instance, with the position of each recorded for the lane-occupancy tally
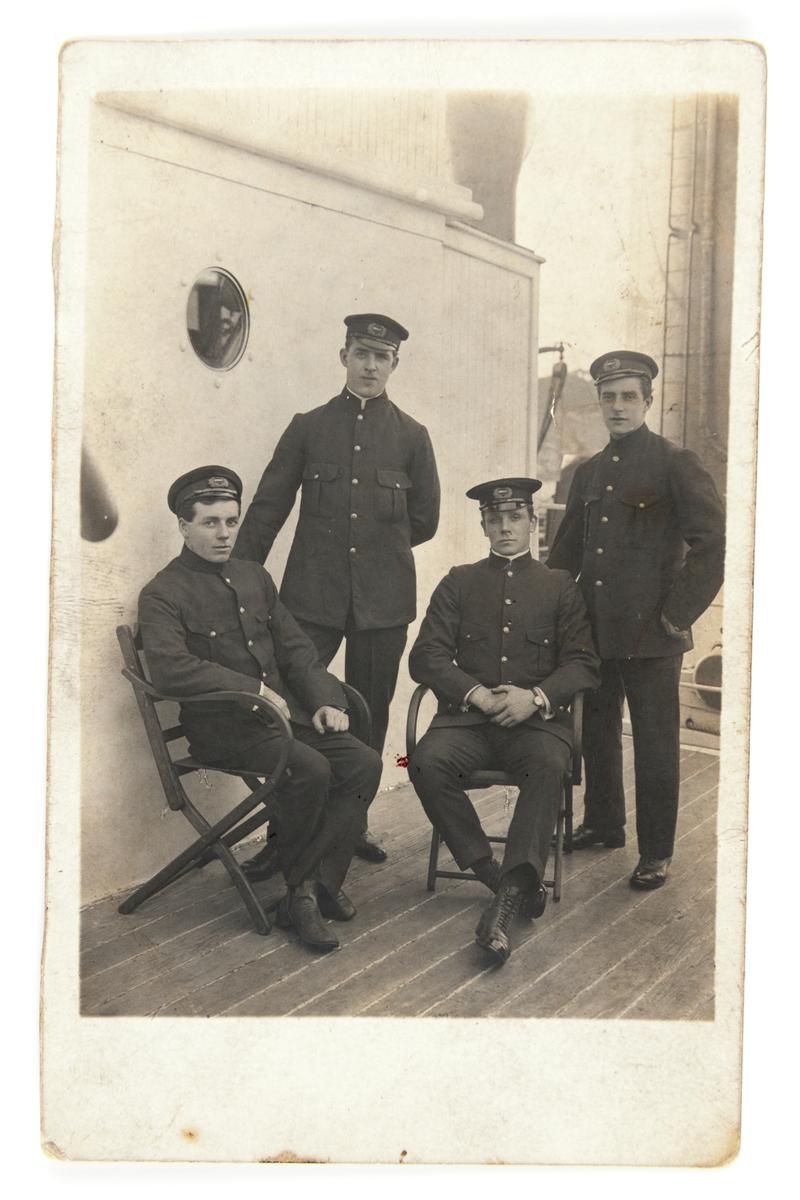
(562, 841)
(215, 841)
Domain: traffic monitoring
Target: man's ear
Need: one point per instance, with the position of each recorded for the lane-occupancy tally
(184, 527)
(395, 361)
(483, 526)
(343, 356)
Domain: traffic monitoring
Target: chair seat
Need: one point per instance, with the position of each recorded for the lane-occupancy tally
(191, 764)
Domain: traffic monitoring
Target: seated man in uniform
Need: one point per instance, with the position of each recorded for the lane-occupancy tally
(213, 623)
(505, 645)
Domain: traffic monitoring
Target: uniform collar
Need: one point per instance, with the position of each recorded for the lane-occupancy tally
(355, 402)
(193, 562)
(631, 441)
(499, 560)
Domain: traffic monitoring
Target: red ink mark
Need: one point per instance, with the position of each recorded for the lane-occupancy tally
(401, 759)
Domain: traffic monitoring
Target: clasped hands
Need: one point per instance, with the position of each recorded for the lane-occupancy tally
(326, 719)
(505, 705)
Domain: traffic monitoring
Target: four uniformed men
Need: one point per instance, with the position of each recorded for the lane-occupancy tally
(505, 643)
(632, 511)
(370, 492)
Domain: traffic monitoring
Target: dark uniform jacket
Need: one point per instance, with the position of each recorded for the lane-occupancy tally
(370, 492)
(505, 621)
(210, 627)
(632, 512)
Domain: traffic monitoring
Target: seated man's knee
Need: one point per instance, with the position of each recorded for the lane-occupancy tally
(310, 769)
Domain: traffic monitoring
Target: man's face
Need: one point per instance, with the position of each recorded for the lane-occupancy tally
(212, 531)
(368, 364)
(622, 405)
(508, 530)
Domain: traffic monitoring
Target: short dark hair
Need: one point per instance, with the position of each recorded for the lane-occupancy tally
(187, 511)
(529, 507)
(354, 337)
(644, 380)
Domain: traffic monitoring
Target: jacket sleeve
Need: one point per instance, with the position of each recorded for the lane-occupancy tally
(275, 495)
(566, 552)
(431, 658)
(298, 663)
(424, 496)
(578, 666)
(173, 669)
(701, 520)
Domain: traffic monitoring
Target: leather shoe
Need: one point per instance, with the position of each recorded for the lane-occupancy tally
(650, 873)
(338, 908)
(298, 910)
(487, 870)
(534, 903)
(583, 837)
(492, 932)
(369, 848)
(264, 864)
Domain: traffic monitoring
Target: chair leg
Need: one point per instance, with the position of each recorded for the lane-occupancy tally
(568, 817)
(244, 888)
(557, 857)
(210, 840)
(433, 860)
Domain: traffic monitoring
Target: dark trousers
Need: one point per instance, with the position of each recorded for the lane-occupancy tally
(329, 783)
(651, 688)
(371, 662)
(537, 761)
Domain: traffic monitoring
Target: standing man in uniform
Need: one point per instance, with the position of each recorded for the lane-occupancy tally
(644, 532)
(505, 645)
(370, 492)
(212, 624)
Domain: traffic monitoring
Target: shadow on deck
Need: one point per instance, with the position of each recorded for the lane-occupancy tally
(604, 951)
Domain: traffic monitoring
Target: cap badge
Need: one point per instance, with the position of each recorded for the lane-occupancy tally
(502, 493)
(611, 364)
(376, 330)
(219, 481)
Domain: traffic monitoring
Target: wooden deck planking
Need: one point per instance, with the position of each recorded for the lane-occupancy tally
(461, 984)
(604, 951)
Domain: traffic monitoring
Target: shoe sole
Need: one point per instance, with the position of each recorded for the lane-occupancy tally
(612, 845)
(335, 914)
(648, 886)
(371, 856)
(496, 950)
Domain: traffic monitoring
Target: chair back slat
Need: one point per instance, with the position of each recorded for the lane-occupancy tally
(173, 733)
(155, 734)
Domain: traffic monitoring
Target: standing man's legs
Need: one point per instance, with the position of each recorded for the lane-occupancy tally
(651, 687)
(604, 800)
(372, 660)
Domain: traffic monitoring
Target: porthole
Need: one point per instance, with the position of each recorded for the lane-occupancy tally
(217, 319)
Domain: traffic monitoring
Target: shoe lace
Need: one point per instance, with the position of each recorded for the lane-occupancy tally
(508, 903)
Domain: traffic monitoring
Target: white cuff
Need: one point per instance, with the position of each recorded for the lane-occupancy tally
(545, 709)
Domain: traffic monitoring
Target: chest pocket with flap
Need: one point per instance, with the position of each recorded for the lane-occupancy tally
(391, 491)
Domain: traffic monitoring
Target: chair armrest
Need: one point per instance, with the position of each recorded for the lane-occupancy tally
(413, 718)
(361, 718)
(577, 737)
(248, 700)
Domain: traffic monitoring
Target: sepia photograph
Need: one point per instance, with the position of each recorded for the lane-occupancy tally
(402, 593)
